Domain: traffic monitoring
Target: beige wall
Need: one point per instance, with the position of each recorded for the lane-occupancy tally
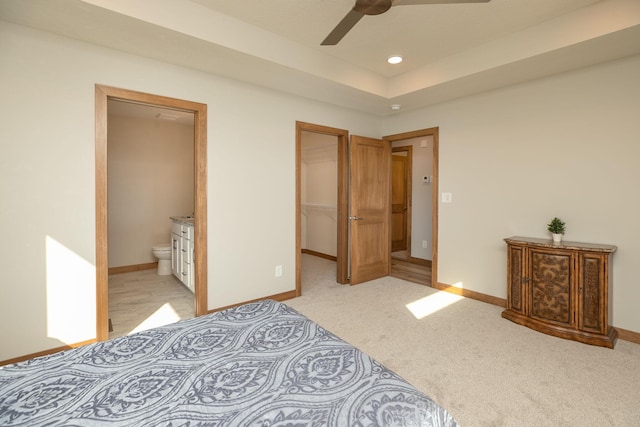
(499, 155)
(150, 178)
(514, 158)
(47, 132)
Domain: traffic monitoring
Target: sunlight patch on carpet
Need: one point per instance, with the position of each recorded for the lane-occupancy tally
(423, 307)
(163, 316)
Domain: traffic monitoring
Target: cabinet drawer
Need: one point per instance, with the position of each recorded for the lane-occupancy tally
(186, 231)
(186, 254)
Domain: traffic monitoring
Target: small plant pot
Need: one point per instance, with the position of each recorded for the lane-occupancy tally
(557, 238)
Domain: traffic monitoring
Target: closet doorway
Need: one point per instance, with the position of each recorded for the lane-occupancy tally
(363, 205)
(104, 94)
(326, 144)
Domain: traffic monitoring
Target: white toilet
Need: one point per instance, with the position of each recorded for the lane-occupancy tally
(162, 251)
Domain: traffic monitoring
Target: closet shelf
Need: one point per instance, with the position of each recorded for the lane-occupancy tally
(320, 209)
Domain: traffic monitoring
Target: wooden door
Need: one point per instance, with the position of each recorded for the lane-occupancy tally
(369, 208)
(399, 201)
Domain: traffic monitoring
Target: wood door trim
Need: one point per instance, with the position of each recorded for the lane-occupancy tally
(342, 271)
(434, 133)
(102, 95)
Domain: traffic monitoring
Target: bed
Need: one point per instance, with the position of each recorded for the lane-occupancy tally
(260, 364)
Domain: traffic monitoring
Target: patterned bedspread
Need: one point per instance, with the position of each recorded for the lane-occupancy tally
(260, 364)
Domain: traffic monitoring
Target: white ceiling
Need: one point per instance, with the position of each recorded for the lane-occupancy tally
(450, 50)
(421, 33)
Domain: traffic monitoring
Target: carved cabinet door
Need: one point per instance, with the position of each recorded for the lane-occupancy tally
(551, 284)
(592, 295)
(516, 280)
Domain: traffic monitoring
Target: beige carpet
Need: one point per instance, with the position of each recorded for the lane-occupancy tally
(487, 371)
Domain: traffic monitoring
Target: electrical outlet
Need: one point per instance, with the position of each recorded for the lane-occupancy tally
(425, 244)
(278, 271)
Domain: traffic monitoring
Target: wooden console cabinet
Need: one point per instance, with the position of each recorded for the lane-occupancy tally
(560, 289)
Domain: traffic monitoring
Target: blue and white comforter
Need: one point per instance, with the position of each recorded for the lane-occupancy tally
(260, 364)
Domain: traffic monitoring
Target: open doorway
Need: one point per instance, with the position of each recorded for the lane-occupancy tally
(415, 206)
(326, 141)
(401, 201)
(104, 94)
(150, 182)
(363, 205)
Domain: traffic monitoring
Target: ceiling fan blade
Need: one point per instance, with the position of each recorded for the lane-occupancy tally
(414, 2)
(342, 28)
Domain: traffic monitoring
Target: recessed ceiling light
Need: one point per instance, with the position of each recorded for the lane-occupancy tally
(394, 59)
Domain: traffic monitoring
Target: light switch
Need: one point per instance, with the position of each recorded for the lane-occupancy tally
(446, 198)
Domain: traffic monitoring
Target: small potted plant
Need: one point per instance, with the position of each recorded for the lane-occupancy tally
(556, 227)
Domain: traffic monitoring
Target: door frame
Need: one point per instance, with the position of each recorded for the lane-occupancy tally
(342, 258)
(409, 187)
(102, 95)
(434, 133)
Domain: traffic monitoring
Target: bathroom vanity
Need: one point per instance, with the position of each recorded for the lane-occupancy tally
(182, 250)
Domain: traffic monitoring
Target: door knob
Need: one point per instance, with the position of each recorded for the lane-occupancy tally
(355, 218)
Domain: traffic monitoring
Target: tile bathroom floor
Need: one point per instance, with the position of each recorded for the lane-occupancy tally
(142, 300)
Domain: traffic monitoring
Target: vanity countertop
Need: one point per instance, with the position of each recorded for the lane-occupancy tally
(186, 220)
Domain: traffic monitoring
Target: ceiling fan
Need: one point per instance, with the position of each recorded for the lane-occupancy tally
(376, 7)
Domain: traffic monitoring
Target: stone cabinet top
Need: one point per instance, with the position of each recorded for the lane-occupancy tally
(548, 243)
(186, 220)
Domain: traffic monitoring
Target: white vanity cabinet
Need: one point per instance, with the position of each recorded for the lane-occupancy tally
(176, 249)
(187, 257)
(182, 250)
